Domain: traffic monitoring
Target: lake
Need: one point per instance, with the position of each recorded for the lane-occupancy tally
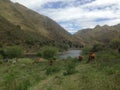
(70, 53)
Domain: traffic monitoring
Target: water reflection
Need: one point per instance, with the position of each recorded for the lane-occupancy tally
(70, 53)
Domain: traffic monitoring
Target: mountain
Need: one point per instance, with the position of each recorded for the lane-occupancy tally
(99, 34)
(39, 30)
(11, 34)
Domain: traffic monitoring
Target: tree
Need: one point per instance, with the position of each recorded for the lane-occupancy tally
(13, 51)
(49, 52)
(65, 46)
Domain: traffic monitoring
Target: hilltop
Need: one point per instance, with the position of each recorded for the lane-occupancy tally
(99, 34)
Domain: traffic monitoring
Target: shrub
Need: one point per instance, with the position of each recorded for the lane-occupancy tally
(1, 57)
(115, 44)
(10, 83)
(98, 47)
(65, 46)
(86, 50)
(13, 51)
(1, 52)
(51, 70)
(49, 52)
(39, 54)
(70, 69)
(24, 85)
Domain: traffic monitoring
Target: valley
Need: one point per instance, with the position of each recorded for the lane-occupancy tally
(37, 53)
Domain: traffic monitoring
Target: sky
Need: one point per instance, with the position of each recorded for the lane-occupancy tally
(74, 15)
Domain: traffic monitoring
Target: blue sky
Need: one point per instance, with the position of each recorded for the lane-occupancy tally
(74, 15)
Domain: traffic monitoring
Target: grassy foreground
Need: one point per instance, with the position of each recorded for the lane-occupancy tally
(70, 74)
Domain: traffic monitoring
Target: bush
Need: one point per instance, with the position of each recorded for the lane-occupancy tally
(1, 52)
(10, 83)
(1, 57)
(51, 70)
(49, 52)
(39, 54)
(115, 44)
(70, 69)
(24, 85)
(65, 47)
(86, 50)
(98, 47)
(13, 51)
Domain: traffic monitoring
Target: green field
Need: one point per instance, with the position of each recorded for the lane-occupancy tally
(70, 74)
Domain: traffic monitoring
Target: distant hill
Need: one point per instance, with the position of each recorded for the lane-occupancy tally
(99, 34)
(38, 30)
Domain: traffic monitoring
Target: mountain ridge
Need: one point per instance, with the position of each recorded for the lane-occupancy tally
(98, 34)
(27, 19)
(44, 29)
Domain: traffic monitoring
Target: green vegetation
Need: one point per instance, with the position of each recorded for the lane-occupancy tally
(115, 43)
(70, 68)
(37, 31)
(101, 74)
(52, 70)
(13, 51)
(65, 47)
(1, 59)
(49, 52)
(98, 47)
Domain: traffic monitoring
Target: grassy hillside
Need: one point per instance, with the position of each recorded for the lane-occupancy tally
(30, 29)
(70, 74)
(11, 34)
(32, 21)
(99, 34)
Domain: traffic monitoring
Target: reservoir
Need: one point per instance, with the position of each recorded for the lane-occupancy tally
(70, 53)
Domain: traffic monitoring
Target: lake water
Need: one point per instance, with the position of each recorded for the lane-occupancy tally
(70, 53)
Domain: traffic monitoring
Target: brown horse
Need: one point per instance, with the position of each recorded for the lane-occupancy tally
(91, 56)
(38, 60)
(51, 62)
(80, 58)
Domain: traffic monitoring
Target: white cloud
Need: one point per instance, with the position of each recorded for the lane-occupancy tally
(102, 3)
(82, 15)
(37, 3)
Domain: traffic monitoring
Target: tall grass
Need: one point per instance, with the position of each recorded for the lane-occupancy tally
(70, 74)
